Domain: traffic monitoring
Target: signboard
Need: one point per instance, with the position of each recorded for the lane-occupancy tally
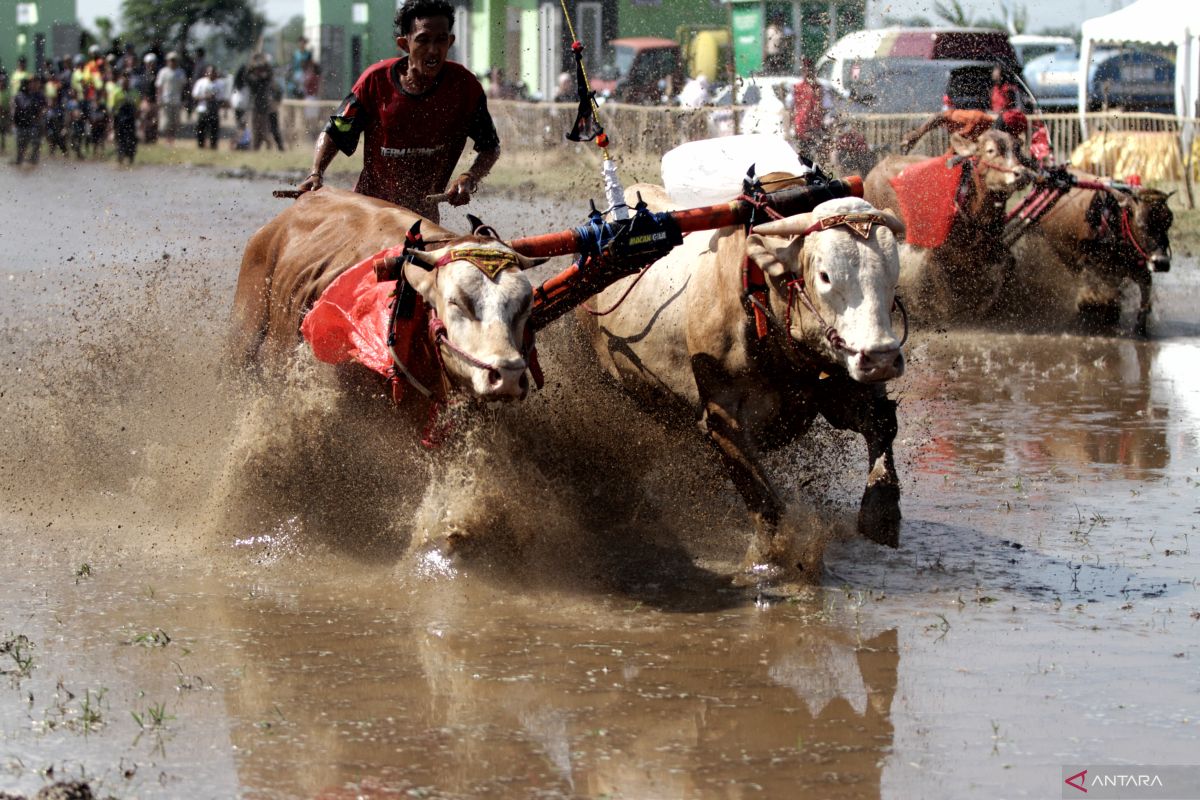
(359, 13)
(27, 14)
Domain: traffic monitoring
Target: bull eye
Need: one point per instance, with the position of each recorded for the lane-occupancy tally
(823, 276)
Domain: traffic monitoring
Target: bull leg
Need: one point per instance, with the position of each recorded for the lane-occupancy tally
(867, 410)
(1141, 325)
(740, 457)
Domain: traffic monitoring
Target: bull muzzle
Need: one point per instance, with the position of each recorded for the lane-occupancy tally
(1160, 262)
(873, 365)
(504, 380)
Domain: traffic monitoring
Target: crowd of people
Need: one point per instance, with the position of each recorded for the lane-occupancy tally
(77, 106)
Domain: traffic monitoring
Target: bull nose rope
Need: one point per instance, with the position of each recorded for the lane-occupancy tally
(1127, 232)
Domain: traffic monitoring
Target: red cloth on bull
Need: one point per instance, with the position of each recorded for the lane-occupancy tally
(928, 193)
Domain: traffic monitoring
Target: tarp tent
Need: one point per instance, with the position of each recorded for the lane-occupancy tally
(1162, 22)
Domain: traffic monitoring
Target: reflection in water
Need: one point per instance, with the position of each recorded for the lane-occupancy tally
(466, 693)
(1030, 403)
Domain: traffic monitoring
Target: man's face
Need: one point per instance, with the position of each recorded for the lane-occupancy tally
(427, 44)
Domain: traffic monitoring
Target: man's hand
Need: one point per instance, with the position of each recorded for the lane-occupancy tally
(459, 193)
(313, 182)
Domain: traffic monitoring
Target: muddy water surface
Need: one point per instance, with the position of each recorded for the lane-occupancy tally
(210, 589)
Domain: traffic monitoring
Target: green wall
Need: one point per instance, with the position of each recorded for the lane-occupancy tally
(663, 17)
(49, 12)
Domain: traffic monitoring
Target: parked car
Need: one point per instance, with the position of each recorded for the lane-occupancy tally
(642, 70)
(910, 85)
(1133, 80)
(842, 66)
(1030, 46)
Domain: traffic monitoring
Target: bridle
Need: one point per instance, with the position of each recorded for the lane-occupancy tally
(860, 224)
(489, 261)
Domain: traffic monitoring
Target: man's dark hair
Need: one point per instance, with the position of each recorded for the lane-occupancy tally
(420, 9)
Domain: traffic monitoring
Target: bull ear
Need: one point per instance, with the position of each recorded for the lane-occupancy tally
(418, 271)
(422, 259)
(791, 226)
(775, 257)
(893, 223)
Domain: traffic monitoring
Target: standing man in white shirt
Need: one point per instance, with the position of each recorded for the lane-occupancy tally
(209, 95)
(169, 83)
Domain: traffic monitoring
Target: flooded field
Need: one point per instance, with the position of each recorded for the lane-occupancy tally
(210, 589)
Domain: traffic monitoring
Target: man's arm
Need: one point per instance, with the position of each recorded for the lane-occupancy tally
(482, 131)
(341, 133)
(323, 154)
(907, 143)
(462, 187)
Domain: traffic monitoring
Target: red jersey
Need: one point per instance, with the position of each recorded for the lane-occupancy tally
(413, 141)
(807, 112)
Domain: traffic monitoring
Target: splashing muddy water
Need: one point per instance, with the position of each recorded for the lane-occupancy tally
(211, 588)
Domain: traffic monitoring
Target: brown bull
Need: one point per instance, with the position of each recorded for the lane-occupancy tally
(292, 259)
(962, 276)
(1106, 238)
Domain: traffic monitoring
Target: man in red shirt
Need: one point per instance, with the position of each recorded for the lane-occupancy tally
(808, 111)
(416, 113)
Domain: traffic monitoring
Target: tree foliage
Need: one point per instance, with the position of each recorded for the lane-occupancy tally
(953, 12)
(171, 21)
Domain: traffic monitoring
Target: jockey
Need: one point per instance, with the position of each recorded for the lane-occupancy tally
(416, 113)
(967, 125)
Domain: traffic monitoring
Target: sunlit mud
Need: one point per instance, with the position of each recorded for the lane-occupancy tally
(214, 585)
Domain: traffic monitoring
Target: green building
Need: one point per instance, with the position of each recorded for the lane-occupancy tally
(37, 30)
(772, 36)
(528, 39)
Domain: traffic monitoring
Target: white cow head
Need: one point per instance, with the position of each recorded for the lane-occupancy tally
(849, 278)
(475, 287)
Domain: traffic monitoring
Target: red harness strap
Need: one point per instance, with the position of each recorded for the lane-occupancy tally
(754, 282)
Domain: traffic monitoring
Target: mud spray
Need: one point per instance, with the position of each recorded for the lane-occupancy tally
(121, 418)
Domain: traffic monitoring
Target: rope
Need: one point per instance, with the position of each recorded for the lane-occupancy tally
(1127, 230)
(617, 304)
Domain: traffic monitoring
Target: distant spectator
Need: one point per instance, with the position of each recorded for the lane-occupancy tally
(28, 108)
(169, 84)
(21, 73)
(98, 123)
(260, 79)
(147, 89)
(301, 57)
(1004, 93)
(5, 110)
(695, 93)
(808, 111)
(124, 104)
(56, 123)
(239, 100)
(565, 91)
(209, 99)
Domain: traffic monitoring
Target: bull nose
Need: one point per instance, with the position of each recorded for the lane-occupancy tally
(1160, 263)
(881, 363)
(506, 380)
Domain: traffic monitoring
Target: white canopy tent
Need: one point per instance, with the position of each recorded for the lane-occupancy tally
(1162, 22)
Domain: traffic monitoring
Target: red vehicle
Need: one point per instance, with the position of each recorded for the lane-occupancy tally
(642, 70)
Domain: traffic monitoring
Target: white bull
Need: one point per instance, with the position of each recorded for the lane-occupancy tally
(686, 333)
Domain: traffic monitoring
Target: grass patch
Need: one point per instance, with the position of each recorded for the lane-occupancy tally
(569, 171)
(1185, 233)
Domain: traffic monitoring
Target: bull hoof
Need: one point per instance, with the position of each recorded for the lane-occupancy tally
(879, 514)
(1141, 327)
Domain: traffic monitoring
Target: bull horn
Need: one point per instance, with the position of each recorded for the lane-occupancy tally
(529, 263)
(791, 226)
